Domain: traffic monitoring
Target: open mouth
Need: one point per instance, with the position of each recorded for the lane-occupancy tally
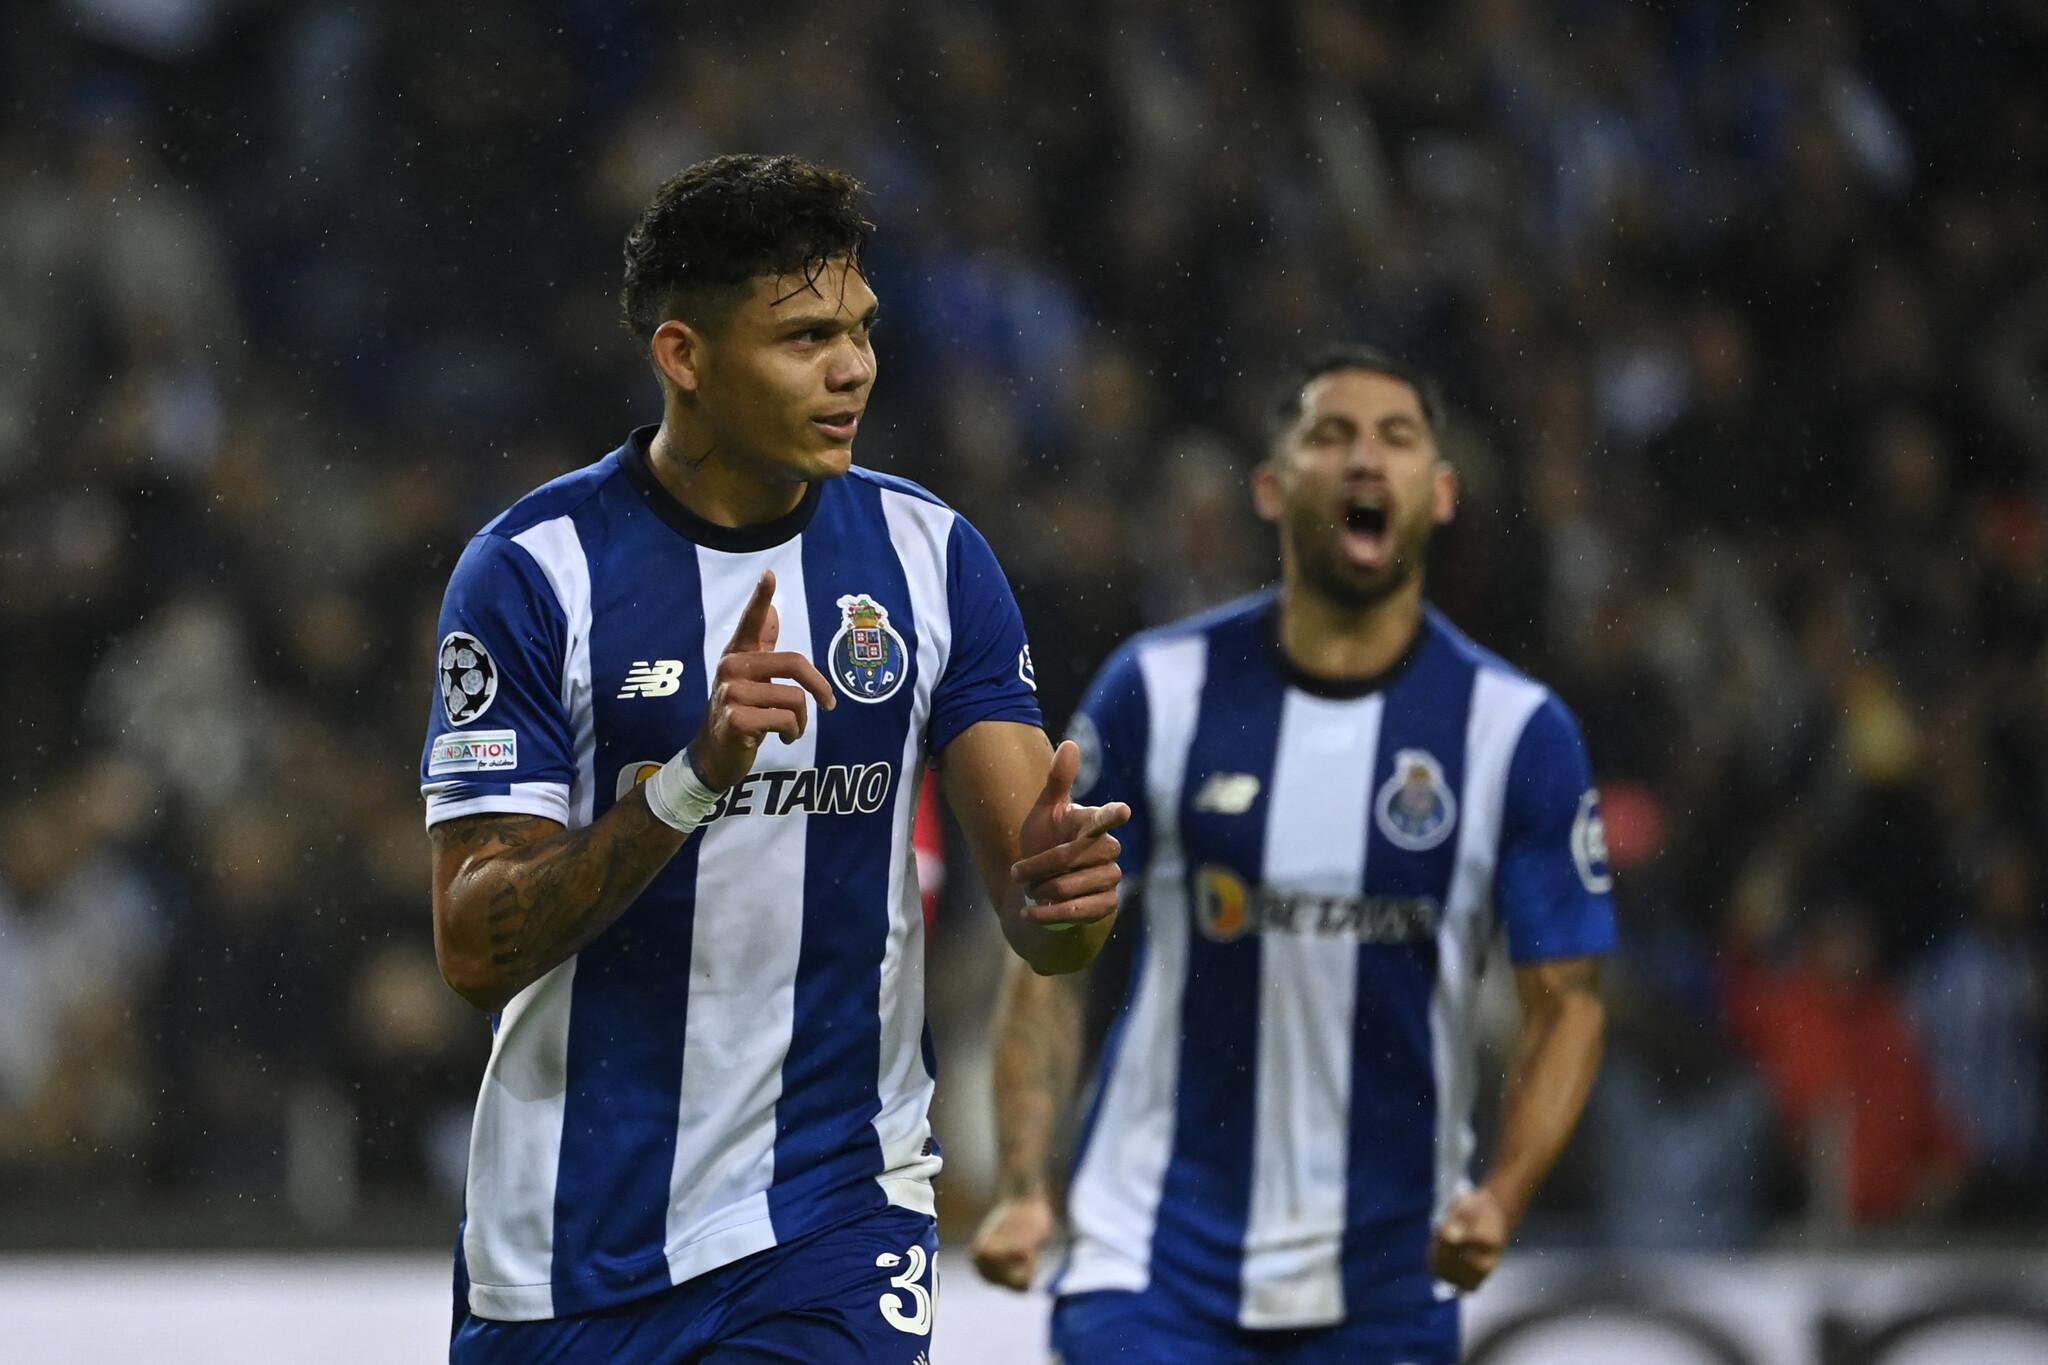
(1362, 533)
(838, 426)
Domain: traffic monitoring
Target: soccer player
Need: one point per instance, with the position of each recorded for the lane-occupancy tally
(1338, 798)
(702, 1131)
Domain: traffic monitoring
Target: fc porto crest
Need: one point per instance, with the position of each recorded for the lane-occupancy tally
(868, 658)
(1416, 808)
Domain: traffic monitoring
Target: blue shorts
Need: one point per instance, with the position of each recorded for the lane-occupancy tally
(1115, 1328)
(860, 1292)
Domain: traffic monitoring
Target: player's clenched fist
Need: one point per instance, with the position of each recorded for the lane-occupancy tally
(1008, 1243)
(1470, 1239)
(747, 702)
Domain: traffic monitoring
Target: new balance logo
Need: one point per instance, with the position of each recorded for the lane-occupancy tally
(1228, 793)
(657, 679)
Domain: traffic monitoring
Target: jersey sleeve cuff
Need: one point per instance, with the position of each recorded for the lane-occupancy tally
(1592, 941)
(452, 800)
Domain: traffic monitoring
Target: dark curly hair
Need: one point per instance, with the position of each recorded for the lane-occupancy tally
(721, 222)
(1285, 409)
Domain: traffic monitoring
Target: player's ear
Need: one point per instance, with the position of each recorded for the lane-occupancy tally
(1266, 499)
(1443, 492)
(678, 351)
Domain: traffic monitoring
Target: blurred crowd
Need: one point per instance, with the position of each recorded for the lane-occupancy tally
(1741, 312)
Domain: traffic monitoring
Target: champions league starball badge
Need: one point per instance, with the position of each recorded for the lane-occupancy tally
(868, 658)
(469, 677)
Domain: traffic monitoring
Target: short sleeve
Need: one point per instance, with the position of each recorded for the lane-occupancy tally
(989, 674)
(1112, 726)
(1553, 888)
(499, 737)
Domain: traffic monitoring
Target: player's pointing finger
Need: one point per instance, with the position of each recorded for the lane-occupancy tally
(754, 630)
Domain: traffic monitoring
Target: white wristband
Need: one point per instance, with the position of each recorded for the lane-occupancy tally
(677, 796)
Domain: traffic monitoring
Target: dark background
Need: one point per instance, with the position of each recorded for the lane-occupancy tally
(1741, 311)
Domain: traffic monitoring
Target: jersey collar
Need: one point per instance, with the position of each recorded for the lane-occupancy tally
(1344, 689)
(732, 539)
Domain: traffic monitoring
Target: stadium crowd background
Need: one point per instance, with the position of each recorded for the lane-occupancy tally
(1742, 313)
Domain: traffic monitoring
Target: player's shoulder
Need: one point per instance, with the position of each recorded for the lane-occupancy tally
(943, 529)
(1252, 612)
(1193, 635)
(896, 483)
(1511, 689)
(558, 497)
(1445, 635)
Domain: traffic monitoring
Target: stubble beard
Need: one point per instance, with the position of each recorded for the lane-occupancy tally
(1324, 572)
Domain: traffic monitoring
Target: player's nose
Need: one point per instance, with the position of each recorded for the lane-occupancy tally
(852, 368)
(1363, 457)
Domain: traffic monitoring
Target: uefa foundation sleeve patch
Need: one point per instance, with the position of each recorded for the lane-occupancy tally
(473, 752)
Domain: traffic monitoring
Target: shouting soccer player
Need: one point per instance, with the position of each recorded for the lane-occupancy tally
(1337, 798)
(702, 1131)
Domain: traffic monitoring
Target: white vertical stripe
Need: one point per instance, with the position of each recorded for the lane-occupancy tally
(919, 531)
(558, 550)
(1502, 704)
(516, 1143)
(1317, 817)
(744, 946)
(1114, 1204)
(515, 1147)
(922, 533)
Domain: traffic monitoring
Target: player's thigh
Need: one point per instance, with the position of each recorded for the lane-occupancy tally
(1110, 1327)
(864, 1293)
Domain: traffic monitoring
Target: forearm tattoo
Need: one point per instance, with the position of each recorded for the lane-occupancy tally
(546, 893)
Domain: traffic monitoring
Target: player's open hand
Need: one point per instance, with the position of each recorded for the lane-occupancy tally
(1068, 869)
(756, 692)
(1470, 1239)
(1008, 1242)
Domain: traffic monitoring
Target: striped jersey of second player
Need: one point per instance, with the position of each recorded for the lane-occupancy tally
(1283, 1103)
(741, 1058)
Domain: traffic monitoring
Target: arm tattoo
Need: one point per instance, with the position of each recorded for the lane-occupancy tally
(533, 896)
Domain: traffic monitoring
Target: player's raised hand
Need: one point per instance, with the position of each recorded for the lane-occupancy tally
(1068, 866)
(1470, 1239)
(1010, 1239)
(750, 699)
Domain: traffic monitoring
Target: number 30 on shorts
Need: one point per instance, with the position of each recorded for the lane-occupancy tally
(917, 1320)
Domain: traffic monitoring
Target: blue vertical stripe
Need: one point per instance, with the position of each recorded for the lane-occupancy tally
(1392, 1169)
(827, 1154)
(1198, 1243)
(625, 1061)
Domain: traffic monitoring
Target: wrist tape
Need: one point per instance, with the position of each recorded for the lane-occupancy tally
(678, 796)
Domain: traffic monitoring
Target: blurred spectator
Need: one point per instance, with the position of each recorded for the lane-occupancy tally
(1978, 998)
(82, 933)
(1851, 1084)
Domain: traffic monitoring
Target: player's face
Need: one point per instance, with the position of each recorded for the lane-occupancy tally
(1356, 487)
(783, 379)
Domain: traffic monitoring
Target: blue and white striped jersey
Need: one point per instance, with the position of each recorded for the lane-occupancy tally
(1283, 1102)
(741, 1058)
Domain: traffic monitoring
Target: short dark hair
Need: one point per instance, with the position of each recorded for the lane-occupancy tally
(1285, 409)
(720, 223)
